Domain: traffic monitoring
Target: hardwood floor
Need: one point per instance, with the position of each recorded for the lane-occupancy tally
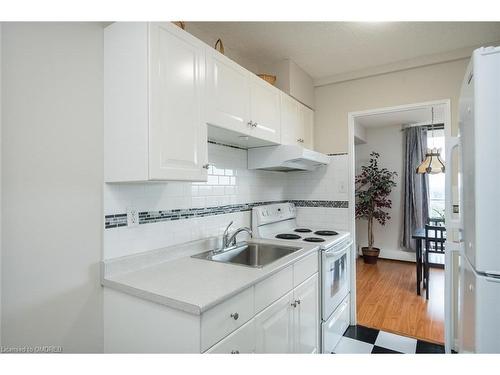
(387, 300)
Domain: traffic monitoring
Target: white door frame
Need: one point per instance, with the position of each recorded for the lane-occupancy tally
(351, 121)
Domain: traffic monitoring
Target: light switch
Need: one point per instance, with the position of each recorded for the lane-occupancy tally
(342, 187)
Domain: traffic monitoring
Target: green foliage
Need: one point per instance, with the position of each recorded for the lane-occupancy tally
(373, 187)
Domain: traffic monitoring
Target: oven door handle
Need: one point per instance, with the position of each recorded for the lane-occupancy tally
(330, 254)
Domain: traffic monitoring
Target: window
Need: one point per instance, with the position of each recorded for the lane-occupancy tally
(436, 181)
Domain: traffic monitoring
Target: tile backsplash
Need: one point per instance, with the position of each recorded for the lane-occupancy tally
(229, 182)
(176, 212)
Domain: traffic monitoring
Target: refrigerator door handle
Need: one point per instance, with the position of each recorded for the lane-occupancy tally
(451, 144)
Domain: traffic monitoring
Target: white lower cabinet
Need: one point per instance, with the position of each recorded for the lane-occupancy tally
(226, 317)
(241, 341)
(291, 324)
(306, 316)
(274, 327)
(279, 314)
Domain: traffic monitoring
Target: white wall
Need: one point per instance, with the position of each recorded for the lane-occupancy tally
(292, 79)
(388, 141)
(333, 102)
(301, 85)
(52, 166)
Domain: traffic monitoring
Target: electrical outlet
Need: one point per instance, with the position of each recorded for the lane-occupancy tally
(132, 217)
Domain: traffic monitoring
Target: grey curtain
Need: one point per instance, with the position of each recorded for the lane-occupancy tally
(416, 195)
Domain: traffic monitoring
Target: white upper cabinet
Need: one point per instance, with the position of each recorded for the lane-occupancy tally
(297, 123)
(307, 126)
(154, 81)
(228, 98)
(264, 110)
(166, 93)
(240, 102)
(290, 122)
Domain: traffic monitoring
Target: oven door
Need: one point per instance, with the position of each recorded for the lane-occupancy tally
(334, 278)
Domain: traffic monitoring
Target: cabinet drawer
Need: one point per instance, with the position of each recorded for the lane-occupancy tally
(272, 288)
(226, 317)
(240, 341)
(305, 268)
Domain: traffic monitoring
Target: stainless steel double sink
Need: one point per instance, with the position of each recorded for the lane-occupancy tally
(255, 255)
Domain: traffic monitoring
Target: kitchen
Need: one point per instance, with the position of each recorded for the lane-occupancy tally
(205, 166)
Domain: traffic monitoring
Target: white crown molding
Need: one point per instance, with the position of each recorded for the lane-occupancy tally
(458, 54)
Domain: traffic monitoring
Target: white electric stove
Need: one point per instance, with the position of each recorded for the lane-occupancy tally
(278, 222)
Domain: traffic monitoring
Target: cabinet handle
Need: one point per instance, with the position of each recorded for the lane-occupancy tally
(235, 316)
(206, 166)
(254, 124)
(235, 352)
(250, 123)
(295, 303)
(300, 140)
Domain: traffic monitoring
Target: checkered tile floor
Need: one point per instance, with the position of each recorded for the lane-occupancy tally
(363, 340)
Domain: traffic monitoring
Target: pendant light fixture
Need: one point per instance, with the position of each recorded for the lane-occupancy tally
(432, 163)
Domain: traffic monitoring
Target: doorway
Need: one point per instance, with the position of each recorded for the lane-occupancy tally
(386, 297)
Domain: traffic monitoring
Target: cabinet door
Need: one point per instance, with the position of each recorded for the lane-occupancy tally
(289, 120)
(227, 95)
(240, 341)
(264, 110)
(274, 327)
(306, 316)
(307, 123)
(177, 131)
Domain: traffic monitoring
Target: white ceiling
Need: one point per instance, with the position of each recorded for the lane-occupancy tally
(326, 49)
(404, 117)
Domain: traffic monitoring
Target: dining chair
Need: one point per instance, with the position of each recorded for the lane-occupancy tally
(436, 221)
(435, 238)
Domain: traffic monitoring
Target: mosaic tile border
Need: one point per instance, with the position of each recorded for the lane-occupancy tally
(115, 221)
(147, 217)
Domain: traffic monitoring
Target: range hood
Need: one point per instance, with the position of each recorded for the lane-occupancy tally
(285, 158)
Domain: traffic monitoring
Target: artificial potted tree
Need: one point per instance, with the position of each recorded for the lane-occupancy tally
(373, 186)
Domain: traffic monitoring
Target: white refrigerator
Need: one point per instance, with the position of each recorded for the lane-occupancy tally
(477, 323)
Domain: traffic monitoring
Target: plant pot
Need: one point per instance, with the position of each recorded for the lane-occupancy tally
(370, 256)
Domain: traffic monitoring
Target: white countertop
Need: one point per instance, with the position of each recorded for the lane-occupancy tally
(185, 283)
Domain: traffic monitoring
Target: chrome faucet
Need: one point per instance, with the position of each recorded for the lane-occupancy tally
(232, 240)
(228, 241)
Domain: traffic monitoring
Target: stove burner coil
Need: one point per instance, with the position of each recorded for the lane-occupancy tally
(288, 236)
(314, 239)
(326, 233)
(303, 230)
